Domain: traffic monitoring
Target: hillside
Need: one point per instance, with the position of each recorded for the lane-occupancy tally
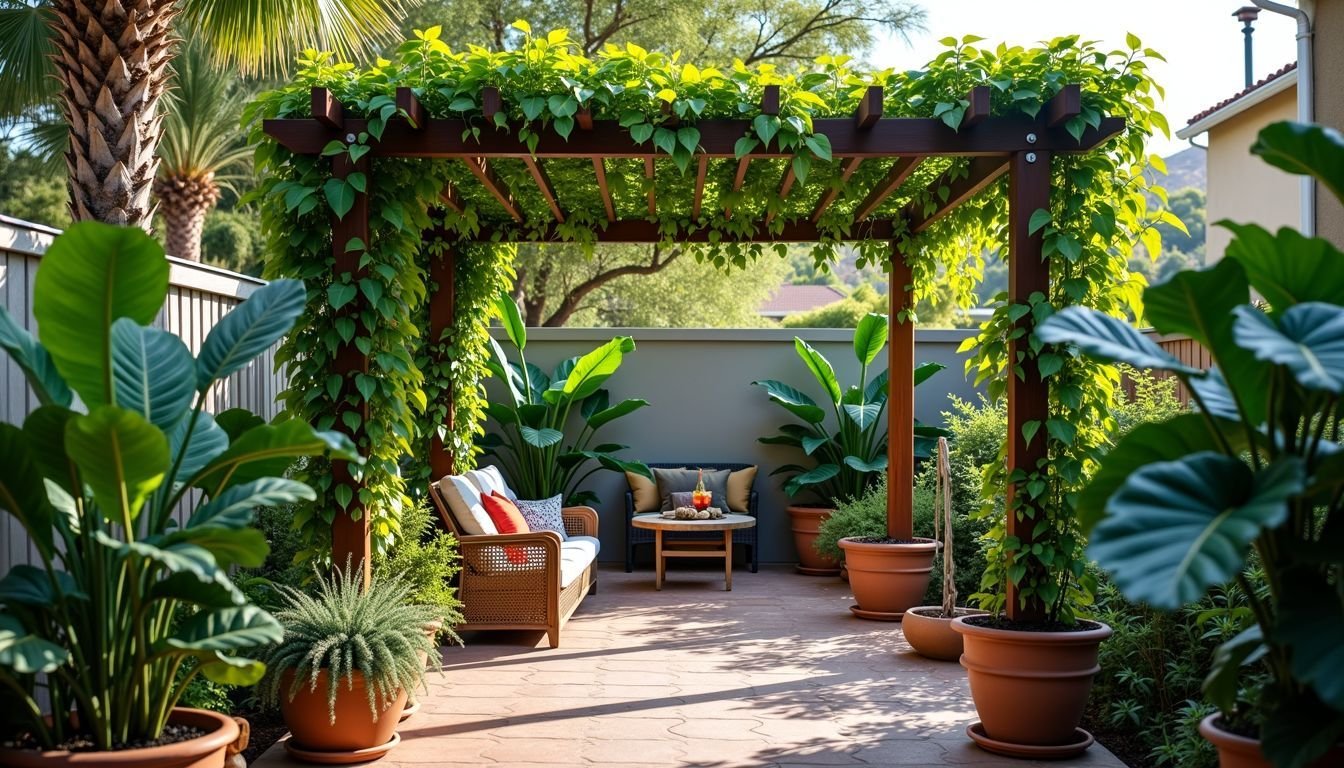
(1187, 168)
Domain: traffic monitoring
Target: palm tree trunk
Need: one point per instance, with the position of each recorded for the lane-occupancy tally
(184, 202)
(112, 60)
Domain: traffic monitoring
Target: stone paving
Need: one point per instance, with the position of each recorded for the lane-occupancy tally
(775, 673)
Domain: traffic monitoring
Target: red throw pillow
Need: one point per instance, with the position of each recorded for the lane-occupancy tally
(507, 519)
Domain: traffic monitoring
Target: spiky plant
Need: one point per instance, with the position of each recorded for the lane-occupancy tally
(345, 629)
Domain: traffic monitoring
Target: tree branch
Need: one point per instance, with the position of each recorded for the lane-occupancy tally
(658, 261)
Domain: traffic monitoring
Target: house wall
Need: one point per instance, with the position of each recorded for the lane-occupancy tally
(703, 407)
(1242, 187)
(1328, 19)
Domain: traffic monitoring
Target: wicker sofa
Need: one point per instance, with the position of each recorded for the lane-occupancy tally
(745, 536)
(522, 581)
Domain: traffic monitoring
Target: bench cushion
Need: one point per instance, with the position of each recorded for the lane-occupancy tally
(464, 501)
(576, 555)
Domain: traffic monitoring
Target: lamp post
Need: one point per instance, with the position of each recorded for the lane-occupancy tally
(1247, 15)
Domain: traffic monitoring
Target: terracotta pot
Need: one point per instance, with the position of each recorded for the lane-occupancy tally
(931, 635)
(1236, 751)
(888, 579)
(206, 751)
(1051, 670)
(354, 729)
(806, 523)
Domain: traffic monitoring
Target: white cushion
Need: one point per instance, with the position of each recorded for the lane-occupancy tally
(465, 501)
(498, 478)
(575, 556)
(489, 480)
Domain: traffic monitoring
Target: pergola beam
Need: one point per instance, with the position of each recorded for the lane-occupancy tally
(480, 168)
(900, 171)
(983, 171)
(409, 104)
(450, 199)
(785, 185)
(544, 184)
(847, 169)
(702, 168)
(327, 110)
(600, 170)
(870, 108)
(648, 174)
(738, 177)
(1064, 106)
(978, 110)
(644, 231)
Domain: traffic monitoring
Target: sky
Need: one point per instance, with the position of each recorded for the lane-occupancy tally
(1199, 38)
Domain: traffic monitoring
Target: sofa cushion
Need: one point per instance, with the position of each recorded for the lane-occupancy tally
(507, 519)
(464, 501)
(739, 489)
(672, 481)
(490, 479)
(544, 515)
(576, 555)
(645, 492)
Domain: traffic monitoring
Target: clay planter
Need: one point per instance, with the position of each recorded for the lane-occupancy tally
(888, 579)
(431, 631)
(931, 635)
(354, 730)
(1236, 751)
(1030, 688)
(806, 523)
(206, 751)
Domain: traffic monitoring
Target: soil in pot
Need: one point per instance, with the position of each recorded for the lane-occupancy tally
(1238, 751)
(1050, 666)
(354, 728)
(888, 577)
(806, 523)
(931, 634)
(196, 738)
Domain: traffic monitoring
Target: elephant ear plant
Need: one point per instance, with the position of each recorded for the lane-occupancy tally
(538, 460)
(1255, 477)
(848, 459)
(136, 501)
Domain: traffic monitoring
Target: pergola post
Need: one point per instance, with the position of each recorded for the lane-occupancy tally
(350, 536)
(442, 307)
(1028, 394)
(900, 401)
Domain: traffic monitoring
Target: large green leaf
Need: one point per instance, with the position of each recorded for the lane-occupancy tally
(1107, 338)
(877, 390)
(121, 457)
(26, 653)
(1308, 340)
(924, 370)
(30, 585)
(1298, 728)
(501, 367)
(793, 400)
(92, 275)
(208, 440)
(512, 319)
(177, 558)
(598, 401)
(870, 337)
(233, 509)
(1307, 149)
(1223, 682)
(1311, 623)
(820, 367)
(268, 450)
(863, 414)
(1176, 528)
(153, 373)
(249, 329)
(1214, 396)
(623, 408)
(233, 670)
(33, 359)
(22, 492)
(236, 421)
(1182, 435)
(541, 438)
(815, 476)
(878, 464)
(227, 629)
(44, 430)
(219, 593)
(1288, 268)
(594, 368)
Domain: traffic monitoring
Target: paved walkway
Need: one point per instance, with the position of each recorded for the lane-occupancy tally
(775, 673)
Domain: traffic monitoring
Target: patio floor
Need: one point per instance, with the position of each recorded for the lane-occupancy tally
(776, 672)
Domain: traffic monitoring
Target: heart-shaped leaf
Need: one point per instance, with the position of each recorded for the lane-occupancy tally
(1287, 268)
(541, 438)
(864, 415)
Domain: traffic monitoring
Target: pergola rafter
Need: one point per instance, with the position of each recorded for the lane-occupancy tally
(1018, 145)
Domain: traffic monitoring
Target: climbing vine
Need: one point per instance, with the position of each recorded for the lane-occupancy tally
(1098, 210)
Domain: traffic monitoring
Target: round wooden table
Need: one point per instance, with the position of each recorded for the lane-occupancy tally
(673, 547)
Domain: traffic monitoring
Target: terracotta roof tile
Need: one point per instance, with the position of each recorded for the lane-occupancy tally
(801, 298)
(1271, 77)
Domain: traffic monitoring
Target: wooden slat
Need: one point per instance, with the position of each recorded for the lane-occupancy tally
(544, 184)
(900, 171)
(1064, 106)
(491, 103)
(847, 169)
(480, 167)
(600, 170)
(982, 172)
(408, 102)
(648, 174)
(450, 199)
(770, 100)
(785, 185)
(870, 108)
(327, 109)
(738, 177)
(978, 111)
(701, 169)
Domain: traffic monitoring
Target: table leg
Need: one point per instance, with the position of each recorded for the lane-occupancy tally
(658, 559)
(728, 561)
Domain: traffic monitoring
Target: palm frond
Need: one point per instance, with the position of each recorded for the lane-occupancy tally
(201, 132)
(25, 49)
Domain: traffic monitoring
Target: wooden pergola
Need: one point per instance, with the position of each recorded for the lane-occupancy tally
(1019, 146)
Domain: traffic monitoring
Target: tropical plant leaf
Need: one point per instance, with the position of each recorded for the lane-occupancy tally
(820, 367)
(236, 421)
(594, 368)
(233, 670)
(925, 370)
(1287, 268)
(208, 441)
(44, 431)
(501, 367)
(226, 629)
(249, 329)
(233, 509)
(595, 402)
(541, 438)
(25, 653)
(151, 373)
(268, 450)
(877, 390)
(608, 415)
(814, 476)
(1305, 149)
(35, 362)
(92, 275)
(1310, 623)
(121, 457)
(30, 585)
(878, 464)
(1223, 681)
(506, 309)
(1215, 396)
(864, 415)
(1308, 340)
(793, 400)
(177, 558)
(1109, 339)
(811, 444)
(870, 337)
(219, 593)
(1176, 528)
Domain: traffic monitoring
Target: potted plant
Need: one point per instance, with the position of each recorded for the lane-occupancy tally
(349, 658)
(96, 483)
(1255, 477)
(539, 462)
(847, 460)
(928, 628)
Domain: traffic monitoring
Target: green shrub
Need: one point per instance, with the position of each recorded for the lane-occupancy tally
(1153, 400)
(855, 517)
(426, 558)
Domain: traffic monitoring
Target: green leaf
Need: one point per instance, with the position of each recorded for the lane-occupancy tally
(92, 275)
(688, 137)
(1176, 528)
(820, 367)
(870, 337)
(859, 465)
(340, 294)
(1306, 149)
(30, 585)
(178, 557)
(594, 368)
(33, 359)
(25, 653)
(208, 440)
(121, 457)
(512, 319)
(1287, 268)
(249, 330)
(268, 450)
(820, 144)
(815, 476)
(232, 670)
(811, 444)
(233, 509)
(1222, 683)
(864, 415)
(1109, 339)
(340, 196)
(1308, 340)
(766, 127)
(793, 400)
(607, 415)
(541, 438)
(1039, 218)
(152, 373)
(1311, 625)
(226, 629)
